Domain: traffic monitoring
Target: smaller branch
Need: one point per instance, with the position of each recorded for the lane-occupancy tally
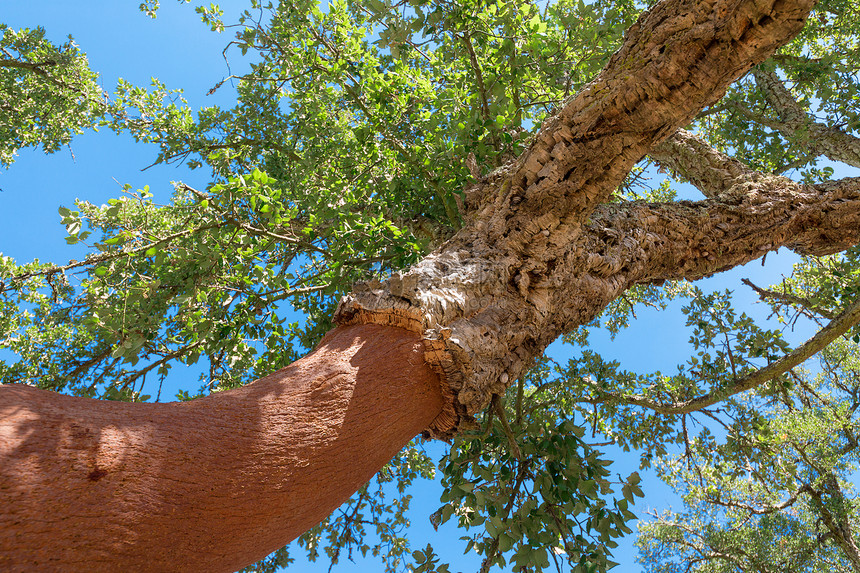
(731, 356)
(519, 405)
(800, 161)
(166, 358)
(836, 328)
(266, 233)
(494, 548)
(489, 423)
(788, 298)
(512, 440)
(37, 68)
(419, 50)
(87, 363)
(838, 525)
(791, 500)
(199, 194)
(479, 77)
(792, 59)
(29, 66)
(750, 115)
(294, 292)
(89, 261)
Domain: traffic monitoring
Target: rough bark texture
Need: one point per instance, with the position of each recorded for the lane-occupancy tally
(710, 171)
(212, 484)
(823, 139)
(528, 256)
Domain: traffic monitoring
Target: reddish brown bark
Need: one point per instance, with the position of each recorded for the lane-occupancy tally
(212, 484)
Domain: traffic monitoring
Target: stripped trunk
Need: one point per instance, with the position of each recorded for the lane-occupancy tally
(208, 485)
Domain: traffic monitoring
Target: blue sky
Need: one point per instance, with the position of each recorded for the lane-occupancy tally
(180, 51)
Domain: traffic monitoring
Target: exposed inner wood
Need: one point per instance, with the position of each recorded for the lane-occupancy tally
(212, 484)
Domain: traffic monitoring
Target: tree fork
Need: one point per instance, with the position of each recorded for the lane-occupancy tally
(514, 262)
(216, 483)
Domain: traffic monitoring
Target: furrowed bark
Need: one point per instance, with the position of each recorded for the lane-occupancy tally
(208, 485)
(229, 478)
(823, 139)
(750, 214)
(649, 242)
(747, 215)
(514, 263)
(711, 172)
(677, 59)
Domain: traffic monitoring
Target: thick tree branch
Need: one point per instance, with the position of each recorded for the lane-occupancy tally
(710, 171)
(678, 58)
(651, 242)
(686, 240)
(823, 139)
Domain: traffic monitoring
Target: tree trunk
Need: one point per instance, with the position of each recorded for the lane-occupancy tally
(208, 485)
(533, 261)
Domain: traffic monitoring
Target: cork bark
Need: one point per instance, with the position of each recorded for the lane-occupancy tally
(792, 120)
(542, 251)
(711, 172)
